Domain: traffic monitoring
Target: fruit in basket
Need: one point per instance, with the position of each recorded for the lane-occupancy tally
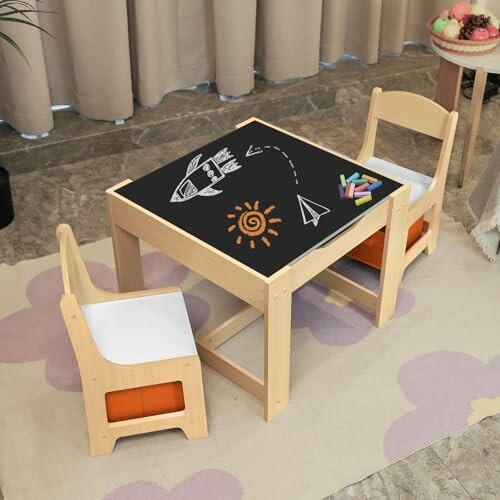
(478, 9)
(472, 23)
(479, 34)
(494, 21)
(452, 29)
(492, 31)
(460, 10)
(439, 24)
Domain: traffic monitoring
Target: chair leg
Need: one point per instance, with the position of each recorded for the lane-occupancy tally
(101, 441)
(195, 424)
(434, 229)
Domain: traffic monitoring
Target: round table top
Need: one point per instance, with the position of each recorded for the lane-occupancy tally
(489, 62)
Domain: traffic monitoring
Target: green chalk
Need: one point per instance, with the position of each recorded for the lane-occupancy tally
(342, 180)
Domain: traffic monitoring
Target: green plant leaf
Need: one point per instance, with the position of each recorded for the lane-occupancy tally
(29, 23)
(9, 40)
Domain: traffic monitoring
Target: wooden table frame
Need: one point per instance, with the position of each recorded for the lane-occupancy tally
(268, 296)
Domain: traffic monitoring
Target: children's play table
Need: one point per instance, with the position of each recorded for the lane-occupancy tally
(259, 213)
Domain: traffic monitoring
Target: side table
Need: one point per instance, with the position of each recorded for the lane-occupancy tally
(448, 92)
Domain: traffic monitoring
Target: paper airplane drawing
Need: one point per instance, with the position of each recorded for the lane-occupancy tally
(311, 211)
(201, 178)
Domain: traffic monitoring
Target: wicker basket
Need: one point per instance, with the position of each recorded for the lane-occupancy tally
(463, 47)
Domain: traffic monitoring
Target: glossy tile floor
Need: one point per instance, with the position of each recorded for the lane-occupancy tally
(466, 465)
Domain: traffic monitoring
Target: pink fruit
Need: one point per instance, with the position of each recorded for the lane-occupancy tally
(460, 10)
(492, 31)
(445, 13)
(479, 34)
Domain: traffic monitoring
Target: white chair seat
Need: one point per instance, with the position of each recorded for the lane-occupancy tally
(142, 329)
(419, 182)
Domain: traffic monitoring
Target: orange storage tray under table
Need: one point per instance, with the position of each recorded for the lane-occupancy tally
(370, 252)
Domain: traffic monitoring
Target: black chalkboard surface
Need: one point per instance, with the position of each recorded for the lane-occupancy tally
(257, 194)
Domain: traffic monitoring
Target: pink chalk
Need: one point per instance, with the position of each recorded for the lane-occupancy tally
(349, 192)
(362, 187)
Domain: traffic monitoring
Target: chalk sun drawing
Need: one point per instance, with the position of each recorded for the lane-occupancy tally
(200, 179)
(250, 221)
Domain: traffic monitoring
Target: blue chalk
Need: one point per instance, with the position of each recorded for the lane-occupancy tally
(355, 175)
(373, 186)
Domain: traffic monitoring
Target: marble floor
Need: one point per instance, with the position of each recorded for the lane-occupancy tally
(466, 465)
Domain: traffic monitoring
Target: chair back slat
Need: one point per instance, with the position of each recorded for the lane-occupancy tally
(76, 279)
(411, 111)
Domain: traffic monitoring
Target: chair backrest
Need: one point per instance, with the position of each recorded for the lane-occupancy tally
(76, 279)
(414, 112)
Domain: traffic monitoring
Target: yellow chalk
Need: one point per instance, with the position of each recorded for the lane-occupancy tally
(362, 201)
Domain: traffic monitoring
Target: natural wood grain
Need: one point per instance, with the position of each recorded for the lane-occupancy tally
(472, 124)
(448, 86)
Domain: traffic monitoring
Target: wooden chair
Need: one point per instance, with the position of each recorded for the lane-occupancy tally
(422, 115)
(124, 341)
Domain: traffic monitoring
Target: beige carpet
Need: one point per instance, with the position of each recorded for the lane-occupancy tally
(361, 398)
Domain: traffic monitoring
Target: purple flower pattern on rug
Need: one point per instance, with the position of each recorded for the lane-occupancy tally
(441, 385)
(336, 325)
(38, 332)
(208, 484)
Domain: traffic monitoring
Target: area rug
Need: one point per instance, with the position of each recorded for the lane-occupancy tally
(361, 397)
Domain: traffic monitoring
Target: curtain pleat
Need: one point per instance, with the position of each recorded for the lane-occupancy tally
(88, 60)
(351, 28)
(24, 91)
(234, 46)
(105, 53)
(173, 46)
(288, 38)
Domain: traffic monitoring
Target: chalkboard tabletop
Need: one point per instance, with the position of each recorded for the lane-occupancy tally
(257, 194)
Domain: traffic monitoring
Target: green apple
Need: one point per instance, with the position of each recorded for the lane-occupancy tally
(439, 24)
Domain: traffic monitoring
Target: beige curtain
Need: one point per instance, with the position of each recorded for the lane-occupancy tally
(86, 64)
(106, 52)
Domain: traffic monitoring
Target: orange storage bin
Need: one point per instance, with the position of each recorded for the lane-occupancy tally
(371, 250)
(144, 401)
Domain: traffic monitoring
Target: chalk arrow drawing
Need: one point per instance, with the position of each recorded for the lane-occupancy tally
(310, 210)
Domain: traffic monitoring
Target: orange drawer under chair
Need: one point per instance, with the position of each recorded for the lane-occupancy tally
(370, 252)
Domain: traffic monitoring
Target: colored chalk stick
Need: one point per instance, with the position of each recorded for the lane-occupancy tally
(341, 192)
(362, 201)
(342, 180)
(370, 179)
(359, 181)
(360, 194)
(354, 176)
(375, 185)
(361, 187)
(349, 193)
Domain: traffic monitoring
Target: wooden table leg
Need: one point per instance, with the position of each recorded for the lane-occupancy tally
(396, 232)
(472, 124)
(277, 332)
(448, 85)
(127, 257)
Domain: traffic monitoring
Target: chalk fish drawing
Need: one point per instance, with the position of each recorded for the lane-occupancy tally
(310, 210)
(201, 178)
